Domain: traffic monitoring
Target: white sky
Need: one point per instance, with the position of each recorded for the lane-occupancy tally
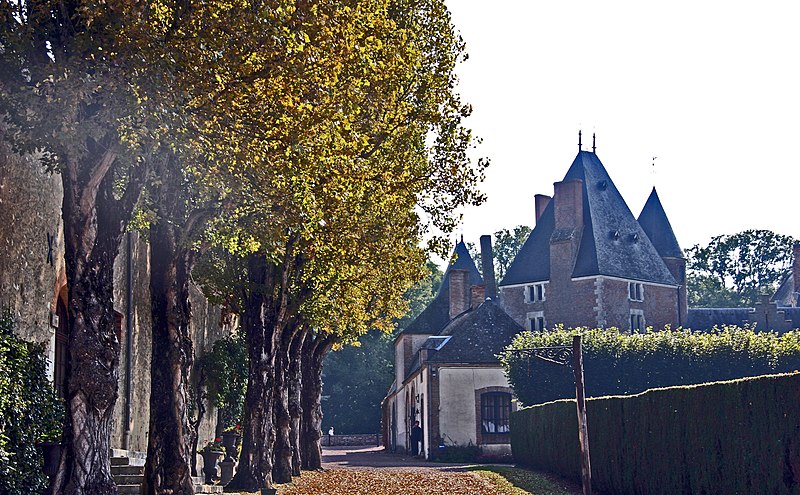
(710, 88)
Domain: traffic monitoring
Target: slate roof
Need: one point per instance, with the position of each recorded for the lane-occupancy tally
(656, 225)
(434, 317)
(629, 255)
(708, 318)
(786, 293)
(477, 336)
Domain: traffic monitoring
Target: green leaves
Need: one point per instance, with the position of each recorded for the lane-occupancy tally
(735, 269)
(620, 363)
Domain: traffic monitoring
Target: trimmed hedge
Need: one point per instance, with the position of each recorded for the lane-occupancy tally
(736, 437)
(618, 363)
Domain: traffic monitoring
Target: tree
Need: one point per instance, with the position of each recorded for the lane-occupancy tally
(357, 376)
(506, 245)
(734, 270)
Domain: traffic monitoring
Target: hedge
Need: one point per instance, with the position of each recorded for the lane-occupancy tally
(617, 363)
(29, 412)
(735, 437)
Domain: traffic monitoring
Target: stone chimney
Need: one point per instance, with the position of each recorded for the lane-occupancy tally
(542, 201)
(796, 270)
(459, 292)
(487, 264)
(477, 295)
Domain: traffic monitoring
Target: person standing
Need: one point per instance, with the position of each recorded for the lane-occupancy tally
(416, 438)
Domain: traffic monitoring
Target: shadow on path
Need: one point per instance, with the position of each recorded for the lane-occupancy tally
(377, 457)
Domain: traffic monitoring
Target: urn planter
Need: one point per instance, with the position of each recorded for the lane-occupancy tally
(210, 459)
(230, 439)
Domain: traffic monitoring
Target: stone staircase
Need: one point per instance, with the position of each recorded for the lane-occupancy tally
(127, 468)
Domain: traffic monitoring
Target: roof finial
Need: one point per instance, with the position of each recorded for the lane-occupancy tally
(580, 144)
(462, 237)
(594, 148)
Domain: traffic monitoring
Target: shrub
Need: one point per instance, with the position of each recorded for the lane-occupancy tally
(618, 363)
(29, 412)
(457, 453)
(740, 436)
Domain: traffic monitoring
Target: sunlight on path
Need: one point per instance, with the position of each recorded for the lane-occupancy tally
(378, 482)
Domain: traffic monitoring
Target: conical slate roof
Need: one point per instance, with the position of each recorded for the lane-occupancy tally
(436, 316)
(613, 243)
(655, 224)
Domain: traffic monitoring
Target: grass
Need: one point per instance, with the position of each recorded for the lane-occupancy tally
(518, 481)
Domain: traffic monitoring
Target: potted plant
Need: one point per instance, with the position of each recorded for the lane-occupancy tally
(51, 424)
(211, 454)
(230, 440)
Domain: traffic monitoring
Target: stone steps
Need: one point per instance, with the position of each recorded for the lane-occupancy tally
(127, 468)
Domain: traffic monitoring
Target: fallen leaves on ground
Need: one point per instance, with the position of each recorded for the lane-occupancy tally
(394, 482)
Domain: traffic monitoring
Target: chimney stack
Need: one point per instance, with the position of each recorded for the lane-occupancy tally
(487, 264)
(459, 292)
(541, 201)
(796, 270)
(568, 197)
(478, 295)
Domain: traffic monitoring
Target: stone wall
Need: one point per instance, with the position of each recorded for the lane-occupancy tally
(30, 214)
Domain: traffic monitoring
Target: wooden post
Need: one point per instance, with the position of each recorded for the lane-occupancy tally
(580, 399)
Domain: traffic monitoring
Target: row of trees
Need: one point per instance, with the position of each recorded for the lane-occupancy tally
(289, 155)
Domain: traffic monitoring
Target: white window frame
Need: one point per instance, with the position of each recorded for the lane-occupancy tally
(535, 316)
(635, 291)
(639, 314)
(533, 290)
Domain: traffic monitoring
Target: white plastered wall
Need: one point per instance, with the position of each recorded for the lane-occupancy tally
(457, 386)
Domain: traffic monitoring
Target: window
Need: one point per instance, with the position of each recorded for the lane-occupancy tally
(637, 320)
(495, 411)
(536, 321)
(635, 291)
(534, 293)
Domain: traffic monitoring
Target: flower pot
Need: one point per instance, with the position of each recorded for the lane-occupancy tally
(52, 456)
(229, 440)
(210, 458)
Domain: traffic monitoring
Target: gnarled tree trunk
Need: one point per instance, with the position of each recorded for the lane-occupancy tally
(94, 223)
(314, 351)
(255, 462)
(282, 449)
(168, 466)
(295, 383)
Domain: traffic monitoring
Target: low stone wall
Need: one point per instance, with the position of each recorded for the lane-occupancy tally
(348, 440)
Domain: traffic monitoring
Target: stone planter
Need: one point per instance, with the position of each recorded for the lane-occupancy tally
(52, 456)
(210, 458)
(230, 440)
(226, 471)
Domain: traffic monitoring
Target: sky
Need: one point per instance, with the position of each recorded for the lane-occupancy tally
(712, 89)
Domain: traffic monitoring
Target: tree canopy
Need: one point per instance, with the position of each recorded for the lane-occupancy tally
(733, 270)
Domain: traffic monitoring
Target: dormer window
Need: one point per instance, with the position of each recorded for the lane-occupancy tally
(635, 291)
(534, 293)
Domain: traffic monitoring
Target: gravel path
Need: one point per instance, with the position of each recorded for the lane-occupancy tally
(361, 458)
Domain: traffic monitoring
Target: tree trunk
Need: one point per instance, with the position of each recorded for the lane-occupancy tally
(168, 467)
(282, 450)
(295, 384)
(255, 462)
(314, 352)
(94, 223)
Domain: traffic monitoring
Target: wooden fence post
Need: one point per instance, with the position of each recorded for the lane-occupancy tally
(580, 399)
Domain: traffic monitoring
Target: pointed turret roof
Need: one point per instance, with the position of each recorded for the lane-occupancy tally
(612, 243)
(437, 315)
(655, 224)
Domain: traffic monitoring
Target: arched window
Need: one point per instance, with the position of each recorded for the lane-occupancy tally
(495, 412)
